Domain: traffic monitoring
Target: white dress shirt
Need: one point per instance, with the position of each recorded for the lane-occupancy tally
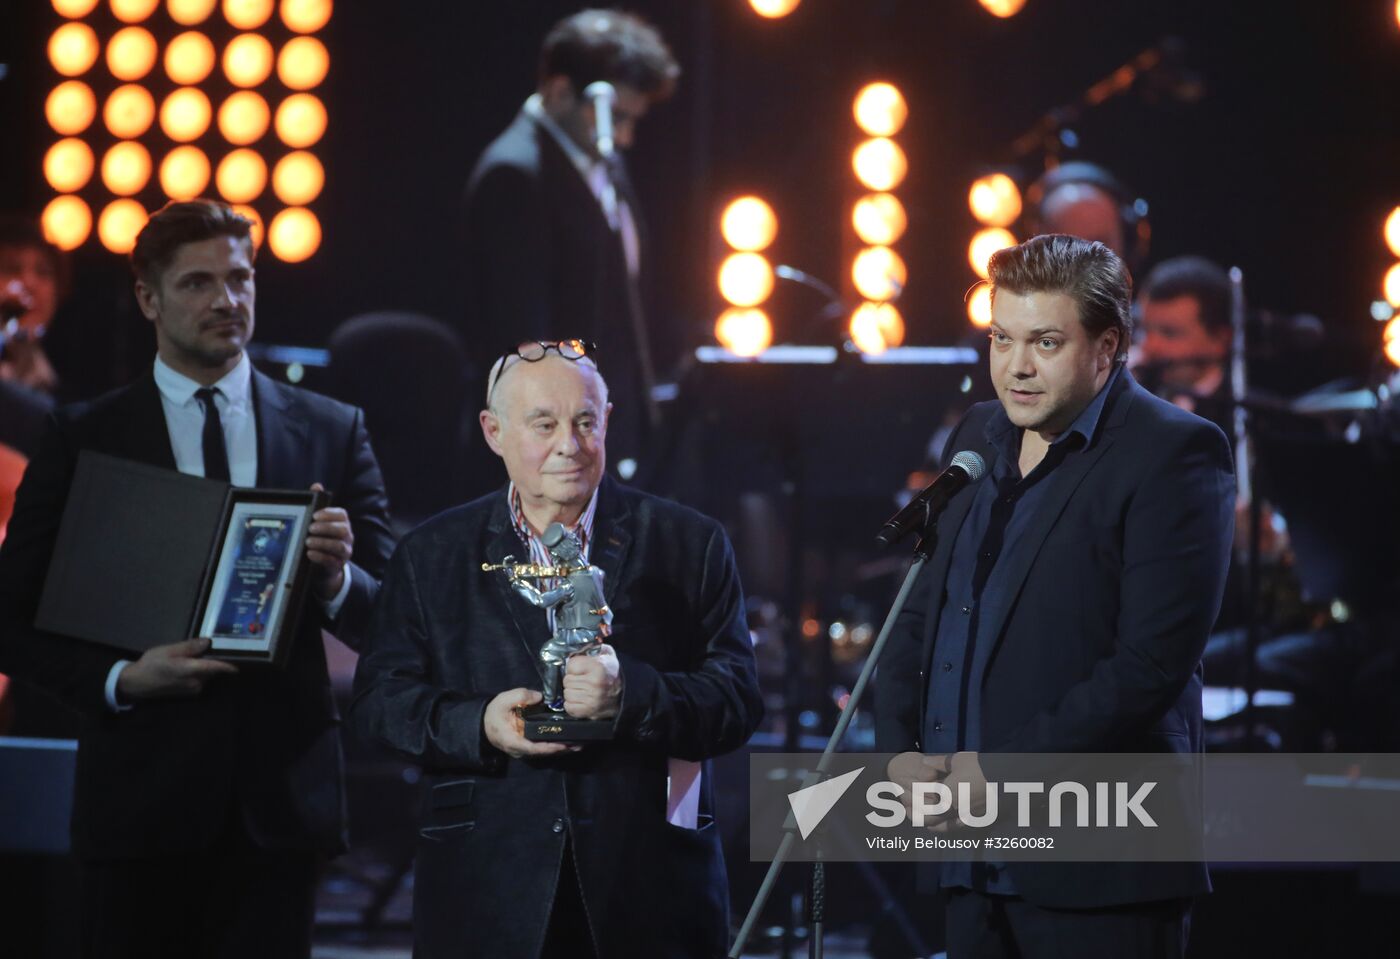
(184, 419)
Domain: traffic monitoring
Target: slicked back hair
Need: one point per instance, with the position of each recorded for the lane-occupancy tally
(1087, 271)
(180, 222)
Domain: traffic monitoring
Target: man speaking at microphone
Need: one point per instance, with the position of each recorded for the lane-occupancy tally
(1066, 604)
(553, 233)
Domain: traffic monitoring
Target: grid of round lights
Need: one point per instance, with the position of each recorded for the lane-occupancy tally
(878, 273)
(749, 226)
(995, 202)
(183, 98)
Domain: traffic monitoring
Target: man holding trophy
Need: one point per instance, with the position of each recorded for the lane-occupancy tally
(587, 830)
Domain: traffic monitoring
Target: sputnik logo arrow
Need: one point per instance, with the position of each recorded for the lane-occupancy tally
(810, 805)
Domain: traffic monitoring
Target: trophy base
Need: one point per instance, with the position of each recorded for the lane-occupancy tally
(544, 725)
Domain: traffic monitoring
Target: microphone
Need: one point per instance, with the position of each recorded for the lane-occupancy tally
(603, 95)
(967, 467)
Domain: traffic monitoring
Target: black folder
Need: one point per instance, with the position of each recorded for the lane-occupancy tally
(131, 553)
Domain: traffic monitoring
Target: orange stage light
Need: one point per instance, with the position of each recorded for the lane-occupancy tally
(876, 327)
(126, 168)
(1392, 231)
(133, 11)
(241, 176)
(247, 14)
(73, 49)
(880, 164)
(995, 200)
(1003, 8)
(131, 53)
(300, 120)
(253, 215)
(190, 12)
(879, 273)
(744, 332)
(306, 16)
(748, 223)
(880, 109)
(66, 221)
(774, 9)
(248, 60)
(68, 165)
(878, 219)
(244, 118)
(184, 173)
(979, 306)
(185, 114)
(984, 244)
(189, 58)
(129, 111)
(1392, 286)
(745, 279)
(119, 223)
(294, 235)
(297, 178)
(303, 63)
(70, 107)
(74, 9)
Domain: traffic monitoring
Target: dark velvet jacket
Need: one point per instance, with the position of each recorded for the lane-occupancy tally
(164, 777)
(1114, 587)
(446, 637)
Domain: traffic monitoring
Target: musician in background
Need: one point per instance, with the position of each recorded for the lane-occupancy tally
(553, 233)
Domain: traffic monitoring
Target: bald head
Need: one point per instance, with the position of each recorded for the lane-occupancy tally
(518, 377)
(1083, 210)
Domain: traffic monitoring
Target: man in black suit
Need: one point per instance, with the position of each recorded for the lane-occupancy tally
(1067, 603)
(554, 236)
(206, 794)
(541, 849)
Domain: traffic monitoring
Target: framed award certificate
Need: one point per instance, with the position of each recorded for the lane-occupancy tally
(253, 590)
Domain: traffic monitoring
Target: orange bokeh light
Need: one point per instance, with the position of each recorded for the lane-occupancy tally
(1392, 229)
(247, 14)
(185, 114)
(880, 164)
(880, 109)
(66, 221)
(1003, 8)
(131, 53)
(241, 176)
(876, 327)
(294, 235)
(879, 219)
(73, 49)
(74, 9)
(126, 168)
(184, 173)
(774, 9)
(879, 273)
(70, 107)
(190, 12)
(744, 331)
(303, 63)
(306, 16)
(119, 224)
(129, 111)
(244, 118)
(252, 214)
(298, 178)
(133, 11)
(995, 200)
(68, 165)
(300, 120)
(749, 224)
(189, 58)
(984, 244)
(745, 279)
(979, 306)
(248, 60)
(1392, 286)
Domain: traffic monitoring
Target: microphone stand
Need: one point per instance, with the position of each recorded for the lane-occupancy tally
(1244, 473)
(928, 538)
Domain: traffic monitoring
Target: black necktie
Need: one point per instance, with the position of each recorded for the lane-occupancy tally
(215, 453)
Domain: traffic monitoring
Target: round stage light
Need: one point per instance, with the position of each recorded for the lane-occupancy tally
(248, 60)
(1392, 286)
(189, 58)
(241, 176)
(876, 327)
(67, 221)
(878, 219)
(979, 306)
(244, 118)
(129, 111)
(995, 200)
(879, 273)
(297, 178)
(70, 107)
(1003, 8)
(126, 168)
(188, 13)
(745, 279)
(133, 11)
(306, 16)
(303, 63)
(73, 49)
(880, 109)
(984, 244)
(300, 120)
(774, 9)
(184, 115)
(74, 9)
(252, 214)
(131, 53)
(1390, 340)
(119, 224)
(744, 332)
(294, 235)
(749, 224)
(68, 165)
(247, 14)
(880, 164)
(184, 173)
(1392, 229)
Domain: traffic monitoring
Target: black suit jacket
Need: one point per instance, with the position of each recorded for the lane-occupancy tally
(166, 776)
(1117, 582)
(446, 637)
(541, 262)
